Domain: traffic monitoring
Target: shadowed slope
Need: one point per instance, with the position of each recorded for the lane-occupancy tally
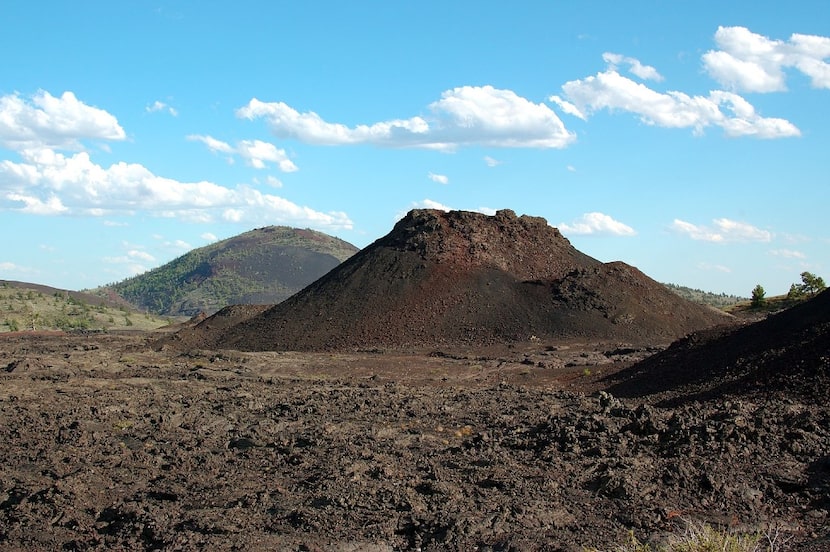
(787, 353)
(463, 278)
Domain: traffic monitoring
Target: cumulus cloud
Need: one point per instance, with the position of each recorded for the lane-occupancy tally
(158, 106)
(439, 178)
(214, 145)
(611, 91)
(464, 116)
(645, 72)
(50, 183)
(32, 205)
(490, 162)
(722, 230)
(596, 224)
(750, 62)
(256, 153)
(44, 121)
(209, 237)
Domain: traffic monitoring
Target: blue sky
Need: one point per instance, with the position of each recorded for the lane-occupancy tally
(686, 138)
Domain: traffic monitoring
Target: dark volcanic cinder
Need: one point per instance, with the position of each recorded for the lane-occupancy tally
(463, 279)
(788, 354)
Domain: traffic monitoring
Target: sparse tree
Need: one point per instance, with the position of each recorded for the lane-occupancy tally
(795, 292)
(812, 284)
(758, 297)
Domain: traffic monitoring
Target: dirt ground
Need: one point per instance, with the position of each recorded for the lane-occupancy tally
(107, 444)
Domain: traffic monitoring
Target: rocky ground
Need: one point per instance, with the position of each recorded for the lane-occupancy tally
(108, 444)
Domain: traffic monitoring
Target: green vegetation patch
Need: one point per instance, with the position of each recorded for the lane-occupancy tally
(34, 309)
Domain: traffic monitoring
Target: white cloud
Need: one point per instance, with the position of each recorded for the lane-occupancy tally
(47, 182)
(140, 255)
(214, 145)
(464, 116)
(645, 72)
(788, 253)
(256, 153)
(132, 257)
(571, 168)
(161, 106)
(439, 178)
(273, 181)
(491, 162)
(114, 224)
(269, 181)
(596, 224)
(46, 121)
(51, 205)
(13, 269)
(286, 122)
(130, 261)
(709, 267)
(568, 107)
(179, 244)
(722, 230)
(610, 90)
(233, 215)
(696, 232)
(209, 237)
(751, 62)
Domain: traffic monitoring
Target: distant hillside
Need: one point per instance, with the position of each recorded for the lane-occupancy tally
(717, 300)
(266, 265)
(27, 307)
(771, 305)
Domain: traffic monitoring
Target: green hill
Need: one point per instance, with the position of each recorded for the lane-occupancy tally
(32, 307)
(717, 300)
(263, 266)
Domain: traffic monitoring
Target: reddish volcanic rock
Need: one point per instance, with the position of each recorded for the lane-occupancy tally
(465, 279)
